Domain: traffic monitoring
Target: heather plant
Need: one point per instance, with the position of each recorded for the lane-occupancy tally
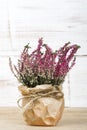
(43, 65)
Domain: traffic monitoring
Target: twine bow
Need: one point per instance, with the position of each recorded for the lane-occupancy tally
(34, 95)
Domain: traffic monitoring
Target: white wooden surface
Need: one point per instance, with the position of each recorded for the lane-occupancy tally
(57, 21)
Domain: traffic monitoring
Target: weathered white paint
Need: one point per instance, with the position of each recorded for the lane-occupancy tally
(57, 21)
(78, 83)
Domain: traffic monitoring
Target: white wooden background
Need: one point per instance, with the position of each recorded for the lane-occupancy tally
(57, 21)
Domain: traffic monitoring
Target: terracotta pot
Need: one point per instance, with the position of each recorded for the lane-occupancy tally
(43, 109)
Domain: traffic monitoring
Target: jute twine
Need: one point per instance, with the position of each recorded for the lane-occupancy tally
(34, 95)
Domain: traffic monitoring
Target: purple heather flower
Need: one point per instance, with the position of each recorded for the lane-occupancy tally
(51, 67)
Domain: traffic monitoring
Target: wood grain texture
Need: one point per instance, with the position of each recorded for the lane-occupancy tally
(78, 83)
(73, 119)
(57, 22)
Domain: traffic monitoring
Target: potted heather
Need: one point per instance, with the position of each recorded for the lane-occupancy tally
(41, 74)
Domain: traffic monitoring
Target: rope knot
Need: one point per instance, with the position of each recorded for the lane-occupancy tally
(35, 93)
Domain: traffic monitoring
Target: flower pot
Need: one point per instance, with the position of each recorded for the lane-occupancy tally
(42, 105)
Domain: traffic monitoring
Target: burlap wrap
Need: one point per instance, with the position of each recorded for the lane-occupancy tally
(42, 105)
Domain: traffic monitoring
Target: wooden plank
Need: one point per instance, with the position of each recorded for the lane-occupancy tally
(9, 93)
(73, 119)
(57, 22)
(78, 83)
